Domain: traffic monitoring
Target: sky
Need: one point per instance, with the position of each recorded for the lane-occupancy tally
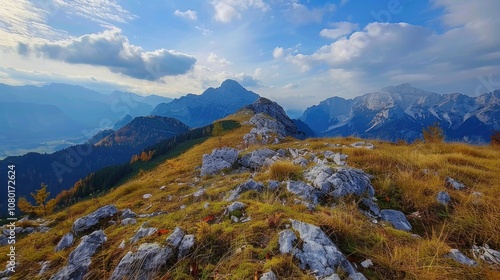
(295, 52)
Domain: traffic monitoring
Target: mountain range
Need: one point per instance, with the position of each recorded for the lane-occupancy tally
(61, 169)
(212, 104)
(31, 116)
(401, 112)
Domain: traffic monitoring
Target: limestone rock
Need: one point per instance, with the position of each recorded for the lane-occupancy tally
(147, 196)
(175, 238)
(186, 244)
(487, 254)
(348, 181)
(257, 158)
(363, 144)
(396, 218)
(80, 259)
(235, 206)
(128, 221)
(218, 160)
(319, 253)
(142, 232)
(337, 158)
(143, 264)
(93, 219)
(244, 187)
(458, 256)
(268, 276)
(286, 240)
(443, 198)
(273, 185)
(452, 183)
(372, 207)
(65, 242)
(305, 191)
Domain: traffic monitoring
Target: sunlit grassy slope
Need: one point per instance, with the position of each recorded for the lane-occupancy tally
(238, 251)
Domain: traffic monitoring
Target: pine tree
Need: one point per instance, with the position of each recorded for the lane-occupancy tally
(217, 132)
(433, 134)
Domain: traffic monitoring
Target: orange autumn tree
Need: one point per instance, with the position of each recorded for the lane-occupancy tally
(42, 207)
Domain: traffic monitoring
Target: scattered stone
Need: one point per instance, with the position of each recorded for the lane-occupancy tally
(333, 277)
(235, 219)
(319, 253)
(244, 187)
(458, 256)
(301, 161)
(443, 198)
(304, 191)
(452, 183)
(4, 240)
(154, 214)
(163, 187)
(373, 208)
(143, 264)
(273, 185)
(319, 176)
(65, 242)
(80, 259)
(199, 193)
(29, 230)
(268, 276)
(176, 237)
(348, 181)
(182, 207)
(236, 206)
(363, 144)
(206, 205)
(218, 160)
(488, 255)
(93, 219)
(122, 245)
(366, 263)
(286, 240)
(338, 158)
(128, 221)
(43, 267)
(396, 218)
(245, 220)
(127, 213)
(266, 131)
(141, 233)
(257, 158)
(147, 196)
(169, 197)
(186, 244)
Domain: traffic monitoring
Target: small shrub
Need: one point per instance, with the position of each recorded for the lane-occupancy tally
(495, 138)
(285, 170)
(433, 134)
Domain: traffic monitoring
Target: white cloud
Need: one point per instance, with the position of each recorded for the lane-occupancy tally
(101, 11)
(278, 52)
(225, 13)
(203, 30)
(228, 10)
(341, 29)
(189, 14)
(301, 14)
(343, 2)
(214, 59)
(113, 50)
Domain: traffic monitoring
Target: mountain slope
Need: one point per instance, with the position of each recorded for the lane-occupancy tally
(60, 170)
(401, 112)
(186, 226)
(212, 104)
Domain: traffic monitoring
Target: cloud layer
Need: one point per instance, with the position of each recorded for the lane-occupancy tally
(113, 50)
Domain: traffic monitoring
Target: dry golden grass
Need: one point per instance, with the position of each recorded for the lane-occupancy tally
(238, 251)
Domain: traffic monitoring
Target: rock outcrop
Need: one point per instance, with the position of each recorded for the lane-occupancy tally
(65, 242)
(218, 160)
(396, 218)
(93, 219)
(244, 187)
(317, 252)
(80, 259)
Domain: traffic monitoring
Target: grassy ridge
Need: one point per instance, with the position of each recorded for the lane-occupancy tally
(237, 251)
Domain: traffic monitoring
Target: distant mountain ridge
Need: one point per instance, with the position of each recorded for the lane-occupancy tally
(55, 112)
(212, 104)
(401, 112)
(60, 170)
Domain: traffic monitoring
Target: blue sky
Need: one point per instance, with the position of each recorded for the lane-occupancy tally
(295, 52)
